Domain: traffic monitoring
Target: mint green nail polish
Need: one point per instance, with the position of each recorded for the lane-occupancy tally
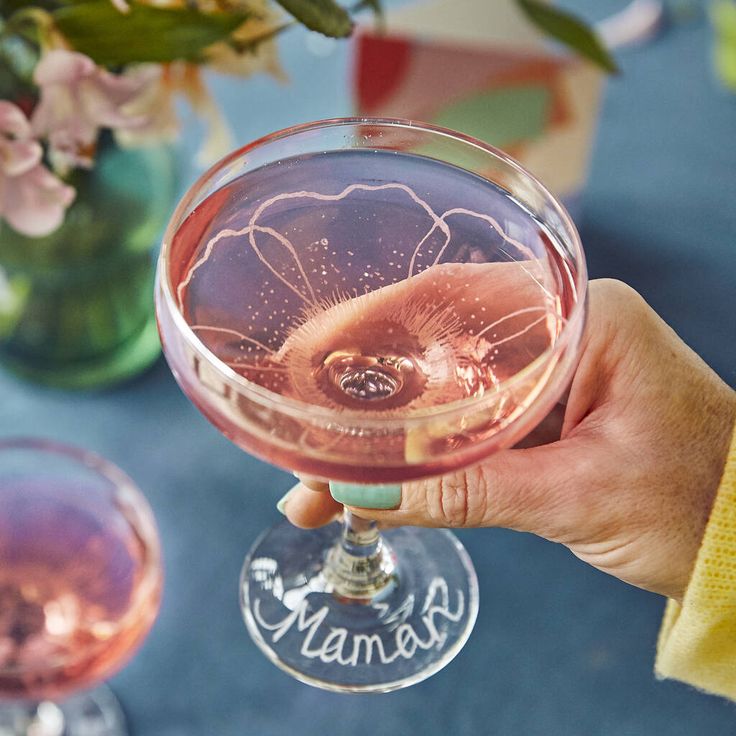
(281, 503)
(383, 496)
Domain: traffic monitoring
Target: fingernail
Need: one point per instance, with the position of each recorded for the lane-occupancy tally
(382, 496)
(281, 504)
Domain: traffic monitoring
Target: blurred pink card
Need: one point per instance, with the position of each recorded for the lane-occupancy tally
(479, 67)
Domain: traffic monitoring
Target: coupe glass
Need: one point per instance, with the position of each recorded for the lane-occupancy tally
(80, 584)
(369, 302)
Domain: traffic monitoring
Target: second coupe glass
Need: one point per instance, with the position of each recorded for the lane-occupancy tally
(80, 585)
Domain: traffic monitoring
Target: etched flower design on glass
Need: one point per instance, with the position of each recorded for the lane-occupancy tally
(368, 302)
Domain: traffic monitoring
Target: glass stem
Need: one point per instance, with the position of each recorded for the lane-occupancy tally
(360, 566)
(32, 719)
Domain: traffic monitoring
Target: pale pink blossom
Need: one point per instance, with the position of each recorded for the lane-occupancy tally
(154, 104)
(32, 199)
(77, 99)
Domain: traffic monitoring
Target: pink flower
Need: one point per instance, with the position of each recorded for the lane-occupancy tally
(32, 199)
(154, 105)
(77, 99)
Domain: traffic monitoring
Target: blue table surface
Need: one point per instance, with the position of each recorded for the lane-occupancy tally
(559, 648)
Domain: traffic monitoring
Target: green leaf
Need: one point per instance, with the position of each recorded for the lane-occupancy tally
(569, 30)
(323, 16)
(146, 33)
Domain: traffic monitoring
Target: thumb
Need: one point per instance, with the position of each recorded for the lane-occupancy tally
(534, 490)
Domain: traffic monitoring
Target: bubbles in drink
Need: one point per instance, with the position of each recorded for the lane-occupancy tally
(371, 281)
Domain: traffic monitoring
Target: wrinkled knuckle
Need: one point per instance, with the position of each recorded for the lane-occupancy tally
(459, 500)
(478, 493)
(447, 504)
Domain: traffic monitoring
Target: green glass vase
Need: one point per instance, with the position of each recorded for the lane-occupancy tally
(76, 306)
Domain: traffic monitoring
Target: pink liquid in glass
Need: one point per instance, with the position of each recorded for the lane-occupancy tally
(77, 589)
(373, 282)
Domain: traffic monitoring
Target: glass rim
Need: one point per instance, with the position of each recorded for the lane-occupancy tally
(313, 411)
(90, 460)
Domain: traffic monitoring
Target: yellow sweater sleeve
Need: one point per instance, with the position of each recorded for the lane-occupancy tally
(697, 641)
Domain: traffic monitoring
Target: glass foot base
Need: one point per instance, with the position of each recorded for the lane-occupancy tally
(95, 713)
(406, 633)
(132, 358)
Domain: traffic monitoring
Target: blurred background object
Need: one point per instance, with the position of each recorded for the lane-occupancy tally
(88, 94)
(485, 70)
(723, 17)
(80, 587)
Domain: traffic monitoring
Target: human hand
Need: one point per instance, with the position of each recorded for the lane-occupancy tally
(629, 480)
